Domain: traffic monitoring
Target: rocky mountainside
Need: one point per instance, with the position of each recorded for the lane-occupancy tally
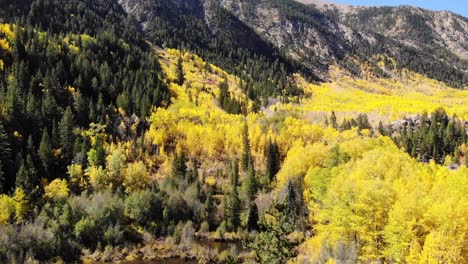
(308, 37)
(413, 26)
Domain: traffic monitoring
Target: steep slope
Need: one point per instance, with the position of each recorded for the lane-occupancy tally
(207, 29)
(429, 42)
(64, 65)
(315, 37)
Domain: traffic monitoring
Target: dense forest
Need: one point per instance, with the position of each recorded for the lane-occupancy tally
(119, 143)
(61, 74)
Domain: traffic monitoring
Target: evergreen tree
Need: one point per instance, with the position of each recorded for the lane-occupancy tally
(2, 179)
(230, 105)
(246, 149)
(194, 172)
(5, 156)
(291, 201)
(179, 167)
(251, 184)
(26, 177)
(381, 129)
(333, 121)
(67, 138)
(55, 140)
(234, 209)
(100, 152)
(234, 172)
(272, 244)
(45, 151)
(180, 72)
(252, 221)
(272, 159)
(209, 206)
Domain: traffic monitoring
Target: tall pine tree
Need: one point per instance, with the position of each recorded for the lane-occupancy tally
(45, 151)
(246, 149)
(180, 72)
(67, 138)
(272, 159)
(251, 184)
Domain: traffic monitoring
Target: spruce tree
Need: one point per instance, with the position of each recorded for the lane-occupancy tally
(26, 177)
(291, 201)
(251, 184)
(5, 151)
(252, 220)
(67, 138)
(209, 206)
(234, 209)
(246, 149)
(45, 151)
(100, 152)
(232, 203)
(179, 167)
(2, 179)
(55, 139)
(272, 159)
(194, 172)
(381, 129)
(180, 72)
(333, 121)
(234, 172)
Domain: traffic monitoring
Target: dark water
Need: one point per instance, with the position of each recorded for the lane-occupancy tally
(164, 261)
(171, 261)
(219, 246)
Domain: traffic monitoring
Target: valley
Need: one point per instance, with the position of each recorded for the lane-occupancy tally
(202, 131)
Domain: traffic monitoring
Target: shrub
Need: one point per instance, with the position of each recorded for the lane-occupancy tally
(205, 227)
(188, 233)
(32, 238)
(114, 235)
(144, 207)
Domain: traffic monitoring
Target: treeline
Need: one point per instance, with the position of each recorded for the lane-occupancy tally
(67, 64)
(361, 122)
(425, 138)
(434, 137)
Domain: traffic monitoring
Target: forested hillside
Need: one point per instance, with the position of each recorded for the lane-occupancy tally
(192, 131)
(61, 73)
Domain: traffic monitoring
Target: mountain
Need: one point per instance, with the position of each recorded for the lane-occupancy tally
(314, 36)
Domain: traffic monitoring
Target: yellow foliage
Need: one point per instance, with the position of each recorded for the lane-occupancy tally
(58, 188)
(210, 181)
(21, 205)
(135, 177)
(77, 177)
(390, 205)
(7, 31)
(382, 99)
(97, 177)
(7, 209)
(5, 46)
(298, 161)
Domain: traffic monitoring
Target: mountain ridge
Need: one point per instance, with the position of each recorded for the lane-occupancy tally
(316, 38)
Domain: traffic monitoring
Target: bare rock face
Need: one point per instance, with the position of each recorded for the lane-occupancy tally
(405, 23)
